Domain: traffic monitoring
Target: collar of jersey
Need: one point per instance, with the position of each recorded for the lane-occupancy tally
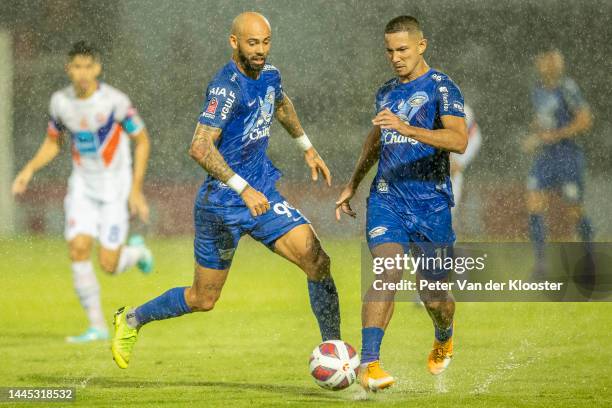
(414, 81)
(92, 96)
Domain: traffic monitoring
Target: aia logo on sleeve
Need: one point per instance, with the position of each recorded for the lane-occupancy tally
(212, 106)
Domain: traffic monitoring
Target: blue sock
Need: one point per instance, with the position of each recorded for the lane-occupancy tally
(168, 305)
(324, 303)
(443, 334)
(537, 233)
(585, 229)
(371, 338)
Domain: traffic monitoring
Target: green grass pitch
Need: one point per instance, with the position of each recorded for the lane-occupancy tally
(252, 350)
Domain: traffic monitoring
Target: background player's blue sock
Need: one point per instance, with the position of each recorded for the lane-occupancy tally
(170, 304)
(443, 334)
(371, 338)
(324, 303)
(537, 233)
(585, 229)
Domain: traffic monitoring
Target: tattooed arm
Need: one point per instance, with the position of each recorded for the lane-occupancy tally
(206, 154)
(287, 116)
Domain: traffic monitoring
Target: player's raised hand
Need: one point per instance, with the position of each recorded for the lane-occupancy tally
(20, 185)
(256, 202)
(316, 164)
(342, 204)
(388, 120)
(138, 206)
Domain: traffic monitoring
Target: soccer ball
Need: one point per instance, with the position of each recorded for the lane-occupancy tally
(334, 364)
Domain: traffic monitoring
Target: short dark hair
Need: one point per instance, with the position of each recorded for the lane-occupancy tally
(403, 24)
(84, 49)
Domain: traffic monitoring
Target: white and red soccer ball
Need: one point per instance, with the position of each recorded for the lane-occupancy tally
(334, 364)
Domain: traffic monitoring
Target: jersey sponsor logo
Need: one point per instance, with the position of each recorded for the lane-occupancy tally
(227, 106)
(443, 89)
(85, 142)
(458, 106)
(445, 101)
(393, 137)
(377, 231)
(436, 77)
(218, 91)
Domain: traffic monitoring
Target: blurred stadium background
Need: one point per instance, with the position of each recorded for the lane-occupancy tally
(331, 56)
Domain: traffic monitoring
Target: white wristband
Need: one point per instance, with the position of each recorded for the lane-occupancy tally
(303, 142)
(237, 183)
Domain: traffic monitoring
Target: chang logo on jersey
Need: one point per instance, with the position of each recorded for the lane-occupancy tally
(436, 77)
(390, 136)
(405, 109)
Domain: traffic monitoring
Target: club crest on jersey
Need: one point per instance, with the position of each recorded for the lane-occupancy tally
(418, 99)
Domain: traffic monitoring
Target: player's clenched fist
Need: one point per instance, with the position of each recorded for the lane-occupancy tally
(388, 120)
(256, 202)
(21, 181)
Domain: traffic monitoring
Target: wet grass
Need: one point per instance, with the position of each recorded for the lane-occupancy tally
(252, 350)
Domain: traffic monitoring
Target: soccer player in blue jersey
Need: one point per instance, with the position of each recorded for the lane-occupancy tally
(561, 114)
(419, 120)
(239, 196)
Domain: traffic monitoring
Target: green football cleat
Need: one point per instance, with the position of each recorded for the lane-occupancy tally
(145, 264)
(91, 334)
(124, 338)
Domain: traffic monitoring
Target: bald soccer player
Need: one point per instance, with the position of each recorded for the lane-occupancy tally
(239, 196)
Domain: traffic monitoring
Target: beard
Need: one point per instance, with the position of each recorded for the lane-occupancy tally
(248, 64)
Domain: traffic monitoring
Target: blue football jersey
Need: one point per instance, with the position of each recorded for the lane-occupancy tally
(243, 108)
(556, 108)
(412, 172)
